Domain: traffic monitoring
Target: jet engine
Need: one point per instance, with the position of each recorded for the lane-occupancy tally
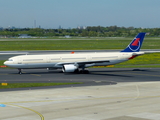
(69, 68)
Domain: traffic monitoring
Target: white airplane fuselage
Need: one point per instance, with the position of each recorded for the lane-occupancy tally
(54, 61)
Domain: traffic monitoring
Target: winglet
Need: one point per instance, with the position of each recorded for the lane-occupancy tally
(136, 43)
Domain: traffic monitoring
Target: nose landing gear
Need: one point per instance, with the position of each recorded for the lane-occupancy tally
(20, 71)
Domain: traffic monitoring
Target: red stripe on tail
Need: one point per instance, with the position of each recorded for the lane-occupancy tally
(136, 42)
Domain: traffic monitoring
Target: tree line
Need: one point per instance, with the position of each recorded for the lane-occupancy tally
(90, 31)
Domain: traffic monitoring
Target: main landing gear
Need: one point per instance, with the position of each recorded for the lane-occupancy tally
(20, 71)
(83, 71)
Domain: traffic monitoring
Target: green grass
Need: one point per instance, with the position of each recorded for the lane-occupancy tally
(137, 66)
(76, 44)
(24, 85)
(147, 59)
(1, 62)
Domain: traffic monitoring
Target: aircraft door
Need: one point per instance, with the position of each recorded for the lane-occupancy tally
(19, 60)
(48, 59)
(123, 56)
(89, 58)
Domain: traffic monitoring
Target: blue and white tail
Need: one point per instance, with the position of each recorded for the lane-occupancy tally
(136, 43)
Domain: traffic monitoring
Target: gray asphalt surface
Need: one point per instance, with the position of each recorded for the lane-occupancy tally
(107, 94)
(97, 76)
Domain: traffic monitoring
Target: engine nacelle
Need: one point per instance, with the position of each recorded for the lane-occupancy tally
(69, 68)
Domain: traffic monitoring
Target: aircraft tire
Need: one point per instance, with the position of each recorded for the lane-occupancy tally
(84, 72)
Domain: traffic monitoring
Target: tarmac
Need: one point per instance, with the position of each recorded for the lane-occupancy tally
(107, 94)
(124, 101)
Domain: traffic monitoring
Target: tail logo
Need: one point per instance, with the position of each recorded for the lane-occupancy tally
(136, 42)
(135, 45)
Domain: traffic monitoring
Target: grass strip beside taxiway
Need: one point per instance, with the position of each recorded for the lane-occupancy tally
(74, 44)
(25, 85)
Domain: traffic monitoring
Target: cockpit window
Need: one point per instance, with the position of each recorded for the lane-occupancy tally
(10, 59)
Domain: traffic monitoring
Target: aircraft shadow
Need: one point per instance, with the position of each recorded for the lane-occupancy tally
(114, 73)
(144, 70)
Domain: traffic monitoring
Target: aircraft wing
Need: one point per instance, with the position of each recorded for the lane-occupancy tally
(80, 63)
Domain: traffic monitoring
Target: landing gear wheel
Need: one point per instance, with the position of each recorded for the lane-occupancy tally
(76, 71)
(20, 71)
(84, 72)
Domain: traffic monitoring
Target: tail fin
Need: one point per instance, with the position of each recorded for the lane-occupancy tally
(136, 43)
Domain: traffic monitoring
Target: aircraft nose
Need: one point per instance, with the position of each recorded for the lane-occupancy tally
(5, 63)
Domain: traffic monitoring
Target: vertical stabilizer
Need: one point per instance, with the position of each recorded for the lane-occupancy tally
(136, 43)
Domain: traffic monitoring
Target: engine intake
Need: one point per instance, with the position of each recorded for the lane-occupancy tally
(69, 68)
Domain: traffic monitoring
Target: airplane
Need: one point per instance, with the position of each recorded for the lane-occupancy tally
(74, 62)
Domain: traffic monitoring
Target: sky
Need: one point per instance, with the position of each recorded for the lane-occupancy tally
(74, 13)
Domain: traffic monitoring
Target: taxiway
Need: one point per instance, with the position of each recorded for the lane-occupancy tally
(96, 76)
(107, 94)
